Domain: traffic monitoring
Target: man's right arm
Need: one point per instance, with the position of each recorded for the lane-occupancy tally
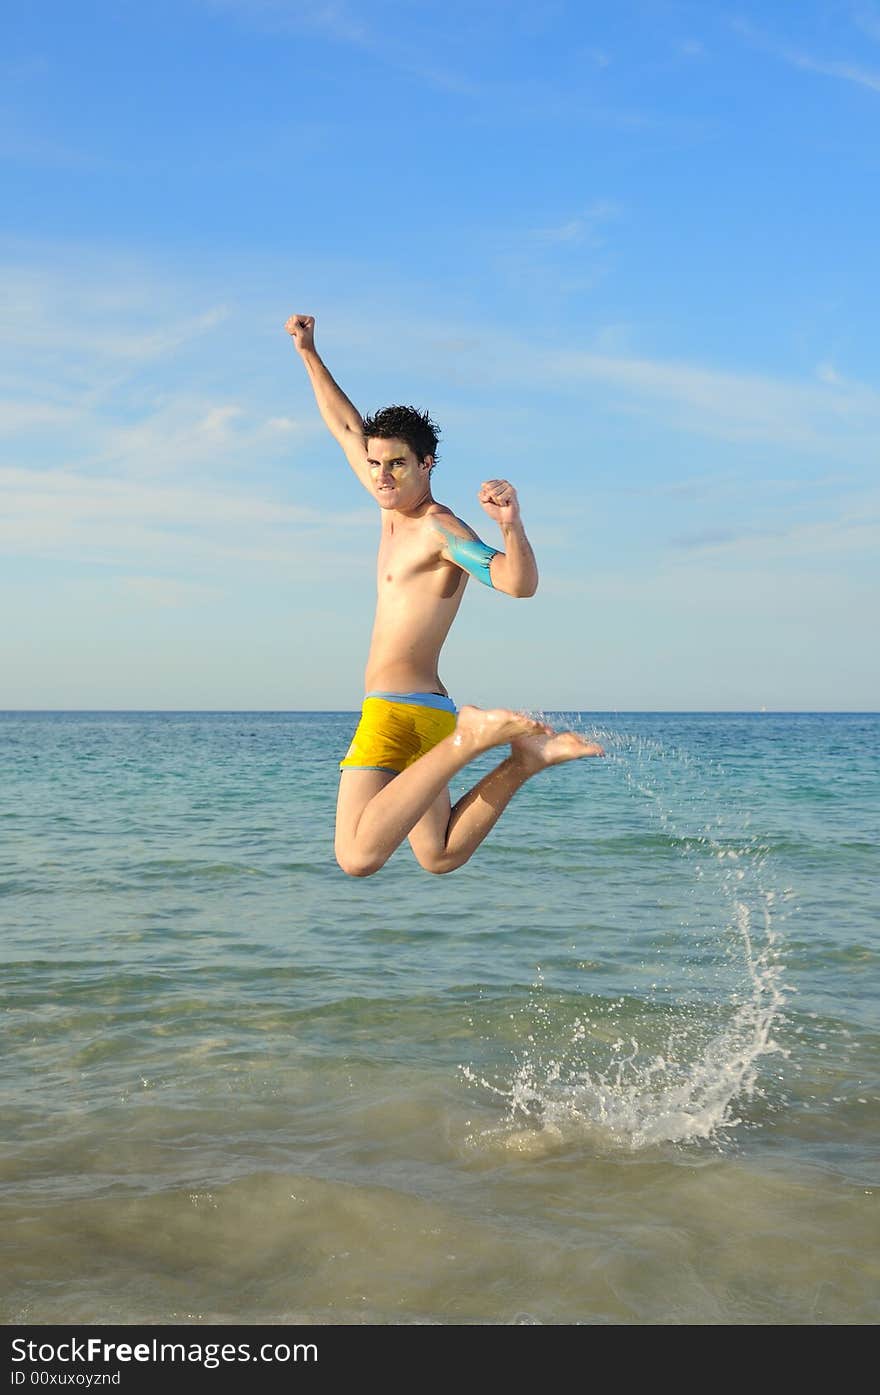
(341, 417)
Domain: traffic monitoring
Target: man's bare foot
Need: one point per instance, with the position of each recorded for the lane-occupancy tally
(478, 729)
(550, 747)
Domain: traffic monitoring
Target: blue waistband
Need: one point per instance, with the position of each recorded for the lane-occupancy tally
(419, 700)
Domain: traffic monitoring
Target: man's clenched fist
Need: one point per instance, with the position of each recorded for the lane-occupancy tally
(301, 329)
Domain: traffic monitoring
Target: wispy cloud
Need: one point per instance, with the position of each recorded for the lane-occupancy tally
(85, 372)
(339, 24)
(40, 311)
(26, 416)
(331, 18)
(169, 592)
(826, 413)
(733, 406)
(557, 259)
(113, 521)
(846, 535)
(50, 494)
(179, 435)
(844, 70)
(582, 227)
(849, 72)
(183, 434)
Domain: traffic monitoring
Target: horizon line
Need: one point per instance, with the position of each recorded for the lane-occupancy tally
(586, 711)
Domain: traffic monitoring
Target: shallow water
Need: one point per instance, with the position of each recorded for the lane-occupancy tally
(623, 1067)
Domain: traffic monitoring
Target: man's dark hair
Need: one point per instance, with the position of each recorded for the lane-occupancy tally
(407, 424)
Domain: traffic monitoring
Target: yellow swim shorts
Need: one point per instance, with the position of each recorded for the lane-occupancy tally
(396, 728)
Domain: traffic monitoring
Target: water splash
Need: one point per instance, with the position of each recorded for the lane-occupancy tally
(678, 1062)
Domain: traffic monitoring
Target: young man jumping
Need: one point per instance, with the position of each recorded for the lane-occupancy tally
(410, 741)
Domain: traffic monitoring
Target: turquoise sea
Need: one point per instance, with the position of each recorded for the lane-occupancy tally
(624, 1067)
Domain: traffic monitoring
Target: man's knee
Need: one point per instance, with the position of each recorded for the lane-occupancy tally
(356, 864)
(437, 862)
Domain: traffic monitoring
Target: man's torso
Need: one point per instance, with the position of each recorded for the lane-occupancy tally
(419, 593)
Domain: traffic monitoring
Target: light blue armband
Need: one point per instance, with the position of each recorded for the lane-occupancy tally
(470, 554)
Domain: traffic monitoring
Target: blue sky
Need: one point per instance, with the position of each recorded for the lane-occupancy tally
(626, 256)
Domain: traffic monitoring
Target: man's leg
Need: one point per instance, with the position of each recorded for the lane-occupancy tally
(356, 789)
(376, 810)
(374, 815)
(445, 837)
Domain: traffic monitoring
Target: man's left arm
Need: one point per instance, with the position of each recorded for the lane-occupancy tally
(514, 570)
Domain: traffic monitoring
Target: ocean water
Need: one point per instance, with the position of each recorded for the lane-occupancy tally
(623, 1067)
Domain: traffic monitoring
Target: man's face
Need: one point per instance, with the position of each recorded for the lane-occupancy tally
(400, 479)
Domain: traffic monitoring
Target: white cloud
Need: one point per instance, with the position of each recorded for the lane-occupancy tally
(166, 591)
(74, 334)
(734, 406)
(797, 58)
(582, 226)
(849, 72)
(125, 522)
(17, 417)
(218, 419)
(185, 434)
(825, 412)
(285, 425)
(331, 18)
(28, 322)
(827, 373)
(339, 24)
(843, 536)
(86, 374)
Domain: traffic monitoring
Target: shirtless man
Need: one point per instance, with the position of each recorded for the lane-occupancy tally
(410, 740)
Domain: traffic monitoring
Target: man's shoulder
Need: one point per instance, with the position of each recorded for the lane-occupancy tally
(441, 517)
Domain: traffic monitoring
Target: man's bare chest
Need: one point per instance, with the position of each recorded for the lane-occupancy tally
(406, 555)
